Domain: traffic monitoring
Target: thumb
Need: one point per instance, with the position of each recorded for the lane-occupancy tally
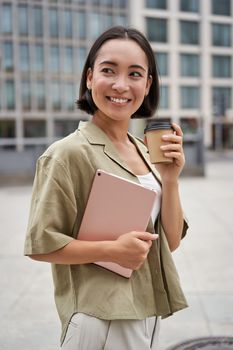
(147, 236)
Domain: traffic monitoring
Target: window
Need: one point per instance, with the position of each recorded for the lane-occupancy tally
(24, 57)
(26, 95)
(162, 62)
(34, 128)
(189, 65)
(38, 22)
(23, 19)
(221, 99)
(190, 97)
(65, 127)
(38, 62)
(156, 29)
(56, 95)
(81, 57)
(222, 7)
(7, 128)
(189, 32)
(6, 19)
(80, 24)
(9, 95)
(68, 60)
(221, 66)
(164, 98)
(189, 5)
(68, 31)
(95, 25)
(53, 23)
(69, 96)
(40, 95)
(221, 34)
(54, 59)
(157, 4)
(8, 59)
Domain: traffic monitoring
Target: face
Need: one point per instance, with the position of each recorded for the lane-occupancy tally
(119, 79)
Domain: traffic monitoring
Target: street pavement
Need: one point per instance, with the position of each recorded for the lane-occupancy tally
(28, 318)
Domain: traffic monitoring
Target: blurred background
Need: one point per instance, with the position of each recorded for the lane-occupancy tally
(43, 46)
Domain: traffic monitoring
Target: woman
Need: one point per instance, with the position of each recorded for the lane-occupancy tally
(98, 308)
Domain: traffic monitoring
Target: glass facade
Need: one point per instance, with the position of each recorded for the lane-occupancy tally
(26, 95)
(67, 24)
(7, 129)
(222, 97)
(6, 19)
(189, 32)
(34, 128)
(24, 60)
(53, 23)
(189, 5)
(162, 62)
(221, 66)
(55, 93)
(43, 47)
(164, 98)
(189, 65)
(9, 94)
(221, 34)
(222, 7)
(38, 61)
(40, 95)
(8, 57)
(23, 17)
(54, 59)
(38, 21)
(157, 4)
(190, 97)
(157, 29)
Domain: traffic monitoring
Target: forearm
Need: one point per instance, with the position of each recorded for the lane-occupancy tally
(78, 252)
(172, 214)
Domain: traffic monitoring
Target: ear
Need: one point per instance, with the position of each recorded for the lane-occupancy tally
(89, 78)
(148, 84)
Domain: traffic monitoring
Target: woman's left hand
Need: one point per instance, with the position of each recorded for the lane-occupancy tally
(173, 149)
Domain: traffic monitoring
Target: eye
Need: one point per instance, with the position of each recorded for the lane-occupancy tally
(135, 74)
(107, 70)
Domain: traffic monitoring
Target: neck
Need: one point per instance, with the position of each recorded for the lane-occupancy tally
(115, 130)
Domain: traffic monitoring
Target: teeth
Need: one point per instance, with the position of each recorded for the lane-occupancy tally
(118, 100)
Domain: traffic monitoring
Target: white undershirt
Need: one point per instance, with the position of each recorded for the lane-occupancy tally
(149, 181)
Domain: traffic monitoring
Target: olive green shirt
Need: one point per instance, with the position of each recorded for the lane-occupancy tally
(63, 179)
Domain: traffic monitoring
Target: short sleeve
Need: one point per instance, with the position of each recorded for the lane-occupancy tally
(53, 208)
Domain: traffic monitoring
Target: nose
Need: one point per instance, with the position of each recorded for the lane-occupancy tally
(120, 84)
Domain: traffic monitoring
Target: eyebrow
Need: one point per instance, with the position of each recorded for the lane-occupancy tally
(115, 64)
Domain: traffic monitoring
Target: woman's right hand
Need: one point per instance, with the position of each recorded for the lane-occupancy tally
(130, 250)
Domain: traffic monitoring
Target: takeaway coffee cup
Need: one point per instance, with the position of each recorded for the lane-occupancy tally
(154, 132)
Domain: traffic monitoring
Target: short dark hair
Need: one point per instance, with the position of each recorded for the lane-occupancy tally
(151, 101)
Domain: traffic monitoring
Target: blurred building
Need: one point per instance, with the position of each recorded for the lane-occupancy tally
(43, 44)
(192, 40)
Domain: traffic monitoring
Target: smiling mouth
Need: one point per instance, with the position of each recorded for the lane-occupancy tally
(118, 100)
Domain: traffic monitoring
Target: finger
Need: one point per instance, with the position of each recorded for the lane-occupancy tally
(172, 147)
(146, 236)
(176, 155)
(172, 138)
(177, 129)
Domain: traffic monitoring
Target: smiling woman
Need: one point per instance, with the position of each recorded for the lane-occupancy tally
(99, 309)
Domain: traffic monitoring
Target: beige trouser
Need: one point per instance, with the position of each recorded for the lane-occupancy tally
(90, 333)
